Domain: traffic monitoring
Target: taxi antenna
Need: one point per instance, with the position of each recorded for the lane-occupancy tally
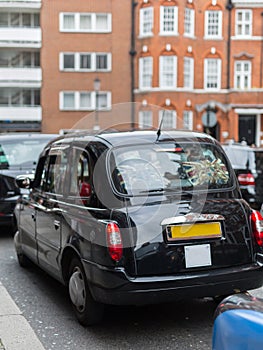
(160, 127)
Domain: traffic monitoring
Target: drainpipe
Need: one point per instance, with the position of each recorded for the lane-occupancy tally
(132, 59)
(229, 7)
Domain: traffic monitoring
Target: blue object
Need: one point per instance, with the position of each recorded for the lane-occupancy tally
(239, 324)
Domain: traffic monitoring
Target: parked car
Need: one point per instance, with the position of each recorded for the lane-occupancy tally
(238, 323)
(243, 161)
(131, 218)
(18, 155)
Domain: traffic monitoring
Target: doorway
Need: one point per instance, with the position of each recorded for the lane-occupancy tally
(247, 129)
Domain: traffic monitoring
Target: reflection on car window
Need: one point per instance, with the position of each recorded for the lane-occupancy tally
(22, 152)
(163, 167)
(81, 183)
(54, 171)
(3, 160)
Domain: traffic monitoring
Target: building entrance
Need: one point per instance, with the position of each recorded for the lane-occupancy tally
(247, 129)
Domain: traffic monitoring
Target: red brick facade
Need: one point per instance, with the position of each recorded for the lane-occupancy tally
(238, 110)
(54, 42)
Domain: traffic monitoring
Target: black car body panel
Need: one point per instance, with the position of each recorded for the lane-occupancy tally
(139, 242)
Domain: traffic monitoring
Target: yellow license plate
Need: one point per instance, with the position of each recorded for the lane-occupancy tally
(195, 231)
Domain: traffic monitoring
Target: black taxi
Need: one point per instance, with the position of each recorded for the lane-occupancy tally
(139, 217)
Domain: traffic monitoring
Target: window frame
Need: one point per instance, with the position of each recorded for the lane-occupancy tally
(163, 72)
(144, 115)
(77, 22)
(208, 75)
(242, 75)
(175, 21)
(77, 98)
(208, 26)
(243, 23)
(189, 75)
(144, 23)
(145, 73)
(188, 125)
(167, 125)
(77, 59)
(189, 21)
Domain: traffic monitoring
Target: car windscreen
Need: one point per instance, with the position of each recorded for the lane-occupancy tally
(171, 167)
(22, 153)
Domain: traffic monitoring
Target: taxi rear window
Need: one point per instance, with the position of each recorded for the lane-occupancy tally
(168, 167)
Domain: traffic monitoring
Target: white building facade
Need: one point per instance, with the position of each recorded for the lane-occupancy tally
(20, 66)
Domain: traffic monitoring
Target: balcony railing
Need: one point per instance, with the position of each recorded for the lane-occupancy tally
(20, 76)
(9, 114)
(21, 3)
(20, 37)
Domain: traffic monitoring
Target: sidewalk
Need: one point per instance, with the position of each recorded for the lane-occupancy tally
(15, 331)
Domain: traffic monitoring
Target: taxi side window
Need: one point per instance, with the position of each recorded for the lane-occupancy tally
(53, 173)
(81, 180)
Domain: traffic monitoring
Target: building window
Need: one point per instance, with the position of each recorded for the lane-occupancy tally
(212, 74)
(69, 22)
(145, 72)
(104, 100)
(243, 22)
(84, 100)
(85, 61)
(82, 61)
(242, 75)
(19, 98)
(146, 21)
(168, 20)
(167, 72)
(213, 24)
(19, 59)
(188, 120)
(17, 19)
(189, 22)
(188, 73)
(69, 101)
(69, 61)
(145, 119)
(101, 61)
(85, 22)
(168, 119)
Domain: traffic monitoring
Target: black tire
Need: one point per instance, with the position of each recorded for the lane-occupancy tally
(87, 310)
(23, 260)
(13, 228)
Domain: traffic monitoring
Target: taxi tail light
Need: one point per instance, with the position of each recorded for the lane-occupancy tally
(246, 179)
(257, 227)
(114, 241)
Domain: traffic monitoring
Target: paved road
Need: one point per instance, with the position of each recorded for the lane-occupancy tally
(44, 304)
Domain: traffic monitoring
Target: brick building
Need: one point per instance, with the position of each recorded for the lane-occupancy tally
(82, 42)
(200, 60)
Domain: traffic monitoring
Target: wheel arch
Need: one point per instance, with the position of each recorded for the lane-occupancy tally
(68, 254)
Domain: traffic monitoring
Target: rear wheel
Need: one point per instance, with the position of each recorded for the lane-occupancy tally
(23, 260)
(13, 227)
(87, 310)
